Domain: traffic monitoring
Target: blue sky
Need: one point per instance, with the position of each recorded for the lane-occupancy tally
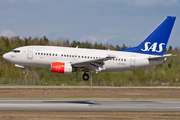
(104, 21)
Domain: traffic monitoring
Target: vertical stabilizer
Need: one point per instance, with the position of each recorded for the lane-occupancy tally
(155, 43)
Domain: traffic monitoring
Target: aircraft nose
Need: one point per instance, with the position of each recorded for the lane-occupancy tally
(6, 56)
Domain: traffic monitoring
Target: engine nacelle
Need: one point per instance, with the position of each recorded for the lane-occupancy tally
(61, 67)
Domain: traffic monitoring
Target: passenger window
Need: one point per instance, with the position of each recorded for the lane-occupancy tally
(82, 56)
(52, 54)
(69, 55)
(47, 54)
(88, 57)
(121, 59)
(93, 57)
(62, 55)
(44, 53)
(38, 53)
(124, 59)
(78, 56)
(72, 55)
(41, 53)
(96, 57)
(56, 54)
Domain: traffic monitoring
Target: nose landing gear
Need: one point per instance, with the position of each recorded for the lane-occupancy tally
(85, 76)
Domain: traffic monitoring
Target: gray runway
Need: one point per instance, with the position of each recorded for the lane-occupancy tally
(95, 105)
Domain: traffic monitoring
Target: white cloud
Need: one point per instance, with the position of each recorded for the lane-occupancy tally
(107, 38)
(12, 1)
(144, 3)
(134, 39)
(96, 39)
(7, 33)
(89, 38)
(129, 2)
(31, 1)
(34, 1)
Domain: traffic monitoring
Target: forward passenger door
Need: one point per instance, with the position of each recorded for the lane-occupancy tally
(30, 53)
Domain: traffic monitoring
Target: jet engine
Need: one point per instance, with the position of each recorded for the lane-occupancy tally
(61, 67)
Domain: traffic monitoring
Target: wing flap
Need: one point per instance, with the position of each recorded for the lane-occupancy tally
(95, 61)
(92, 65)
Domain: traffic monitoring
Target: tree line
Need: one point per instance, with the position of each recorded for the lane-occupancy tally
(164, 74)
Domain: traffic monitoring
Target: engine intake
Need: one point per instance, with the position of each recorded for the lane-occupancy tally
(61, 67)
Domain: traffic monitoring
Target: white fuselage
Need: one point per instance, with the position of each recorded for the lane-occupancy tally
(43, 56)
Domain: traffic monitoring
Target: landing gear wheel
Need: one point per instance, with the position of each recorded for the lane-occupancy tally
(24, 72)
(85, 76)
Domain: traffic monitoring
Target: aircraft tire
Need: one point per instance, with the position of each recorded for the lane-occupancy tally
(23, 72)
(85, 76)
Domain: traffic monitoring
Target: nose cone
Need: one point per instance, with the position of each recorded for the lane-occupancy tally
(6, 56)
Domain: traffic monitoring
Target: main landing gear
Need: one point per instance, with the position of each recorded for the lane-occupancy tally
(85, 76)
(24, 71)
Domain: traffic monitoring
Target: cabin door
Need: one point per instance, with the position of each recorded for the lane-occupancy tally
(133, 60)
(30, 53)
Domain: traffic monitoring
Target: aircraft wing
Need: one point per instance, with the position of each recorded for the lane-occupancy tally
(161, 57)
(91, 65)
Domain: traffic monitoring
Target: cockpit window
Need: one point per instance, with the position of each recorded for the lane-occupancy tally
(16, 51)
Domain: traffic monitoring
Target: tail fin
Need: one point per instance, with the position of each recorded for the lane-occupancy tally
(155, 43)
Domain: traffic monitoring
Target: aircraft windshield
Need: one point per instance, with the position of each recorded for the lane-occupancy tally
(16, 51)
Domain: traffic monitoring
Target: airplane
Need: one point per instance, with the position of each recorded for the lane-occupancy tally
(66, 60)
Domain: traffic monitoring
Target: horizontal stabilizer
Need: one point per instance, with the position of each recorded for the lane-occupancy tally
(160, 57)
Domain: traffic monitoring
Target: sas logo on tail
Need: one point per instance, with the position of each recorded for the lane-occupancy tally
(153, 47)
